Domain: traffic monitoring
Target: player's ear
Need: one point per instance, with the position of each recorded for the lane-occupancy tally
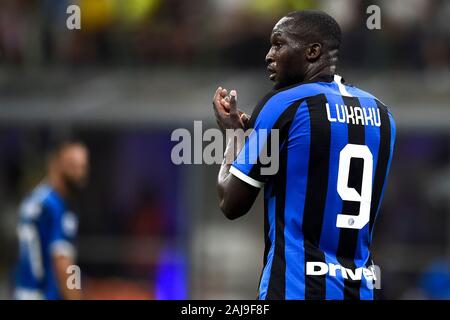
(313, 51)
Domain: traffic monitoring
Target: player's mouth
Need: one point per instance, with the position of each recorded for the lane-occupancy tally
(272, 72)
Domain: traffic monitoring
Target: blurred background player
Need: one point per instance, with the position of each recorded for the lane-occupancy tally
(47, 228)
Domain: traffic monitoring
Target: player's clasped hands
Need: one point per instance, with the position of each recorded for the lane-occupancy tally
(228, 116)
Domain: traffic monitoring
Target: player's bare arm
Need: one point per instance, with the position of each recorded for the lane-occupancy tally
(61, 264)
(235, 196)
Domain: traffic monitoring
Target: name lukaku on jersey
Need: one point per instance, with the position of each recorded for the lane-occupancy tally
(354, 115)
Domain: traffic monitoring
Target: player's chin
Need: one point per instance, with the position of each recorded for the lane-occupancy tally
(274, 80)
(283, 82)
(273, 76)
(279, 82)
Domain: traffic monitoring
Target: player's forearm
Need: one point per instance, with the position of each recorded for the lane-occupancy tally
(226, 201)
(62, 263)
(231, 152)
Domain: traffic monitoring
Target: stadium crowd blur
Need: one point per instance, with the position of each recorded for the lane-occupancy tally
(204, 34)
(415, 33)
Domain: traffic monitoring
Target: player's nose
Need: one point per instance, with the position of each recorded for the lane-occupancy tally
(269, 57)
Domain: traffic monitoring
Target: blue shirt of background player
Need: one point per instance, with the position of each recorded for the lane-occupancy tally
(46, 228)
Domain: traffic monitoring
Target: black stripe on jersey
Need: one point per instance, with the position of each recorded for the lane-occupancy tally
(260, 106)
(348, 238)
(384, 152)
(277, 283)
(316, 192)
(277, 286)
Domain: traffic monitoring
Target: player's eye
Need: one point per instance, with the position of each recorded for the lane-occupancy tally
(277, 46)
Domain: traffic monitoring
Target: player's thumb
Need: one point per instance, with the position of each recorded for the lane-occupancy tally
(233, 98)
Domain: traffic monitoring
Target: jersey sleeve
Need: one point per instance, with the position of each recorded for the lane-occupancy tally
(259, 158)
(59, 241)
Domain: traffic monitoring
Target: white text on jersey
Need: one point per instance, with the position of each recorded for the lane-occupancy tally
(317, 268)
(355, 115)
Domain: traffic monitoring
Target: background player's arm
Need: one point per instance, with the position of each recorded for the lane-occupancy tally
(61, 263)
(235, 196)
(62, 253)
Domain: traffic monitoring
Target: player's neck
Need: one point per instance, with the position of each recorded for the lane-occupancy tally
(319, 71)
(57, 183)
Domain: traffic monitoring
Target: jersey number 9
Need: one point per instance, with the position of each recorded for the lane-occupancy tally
(351, 194)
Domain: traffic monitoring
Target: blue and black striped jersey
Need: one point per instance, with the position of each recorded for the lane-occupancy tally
(334, 153)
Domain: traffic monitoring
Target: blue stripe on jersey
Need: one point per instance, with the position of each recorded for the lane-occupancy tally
(264, 285)
(297, 166)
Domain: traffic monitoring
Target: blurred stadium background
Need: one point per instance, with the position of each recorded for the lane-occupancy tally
(138, 69)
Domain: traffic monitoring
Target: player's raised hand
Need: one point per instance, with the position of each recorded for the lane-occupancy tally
(228, 116)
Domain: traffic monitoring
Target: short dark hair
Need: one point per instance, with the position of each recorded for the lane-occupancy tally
(316, 25)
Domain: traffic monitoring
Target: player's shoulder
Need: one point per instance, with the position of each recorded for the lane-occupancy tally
(277, 101)
(35, 202)
(49, 199)
(362, 94)
(292, 93)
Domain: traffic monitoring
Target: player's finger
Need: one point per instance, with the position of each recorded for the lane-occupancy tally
(216, 96)
(219, 110)
(245, 120)
(217, 104)
(244, 116)
(226, 104)
(223, 93)
(233, 97)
